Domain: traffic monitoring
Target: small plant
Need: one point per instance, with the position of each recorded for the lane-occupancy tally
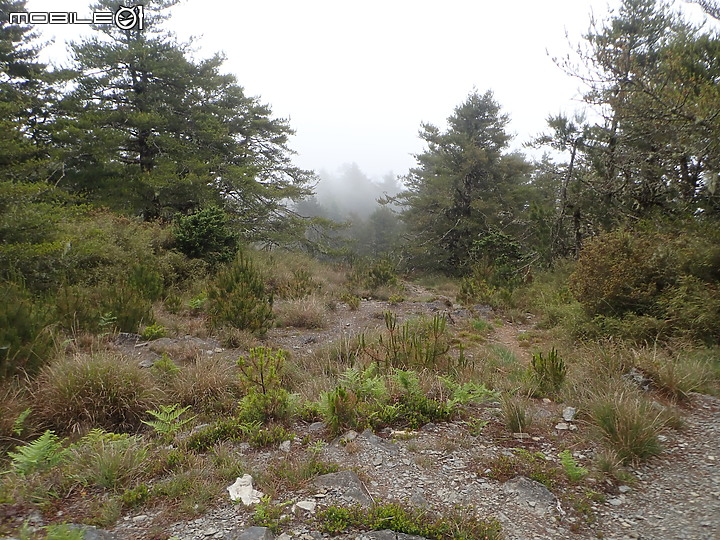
(396, 299)
(167, 420)
(153, 331)
(105, 460)
(352, 300)
(165, 366)
(19, 424)
(548, 372)
(481, 325)
(198, 302)
(574, 472)
(477, 425)
(261, 374)
(43, 453)
(270, 515)
(137, 496)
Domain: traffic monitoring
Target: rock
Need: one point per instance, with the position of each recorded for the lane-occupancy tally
(316, 426)
(530, 491)
(615, 502)
(569, 414)
(93, 533)
(253, 533)
(305, 506)
(147, 363)
(377, 443)
(242, 489)
(417, 499)
(141, 517)
(521, 435)
(624, 489)
(347, 484)
(285, 446)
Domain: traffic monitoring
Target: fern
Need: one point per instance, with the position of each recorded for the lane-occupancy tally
(572, 469)
(167, 420)
(19, 424)
(43, 453)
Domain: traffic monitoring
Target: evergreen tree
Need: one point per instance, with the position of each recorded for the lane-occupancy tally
(463, 187)
(150, 131)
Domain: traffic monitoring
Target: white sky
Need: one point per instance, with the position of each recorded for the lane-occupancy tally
(356, 79)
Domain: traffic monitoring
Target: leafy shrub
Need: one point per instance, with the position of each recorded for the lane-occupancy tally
(101, 390)
(26, 342)
(238, 297)
(206, 235)
(620, 272)
(134, 497)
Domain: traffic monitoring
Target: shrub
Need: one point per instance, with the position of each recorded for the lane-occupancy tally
(147, 281)
(101, 390)
(206, 235)
(238, 297)
(153, 331)
(26, 342)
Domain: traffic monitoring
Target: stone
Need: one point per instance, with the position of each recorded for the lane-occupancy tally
(614, 502)
(521, 435)
(388, 535)
(377, 443)
(347, 484)
(253, 533)
(624, 489)
(242, 489)
(305, 506)
(93, 533)
(569, 414)
(316, 426)
(531, 491)
(285, 446)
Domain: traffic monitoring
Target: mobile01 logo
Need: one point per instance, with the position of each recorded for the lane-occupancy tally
(125, 18)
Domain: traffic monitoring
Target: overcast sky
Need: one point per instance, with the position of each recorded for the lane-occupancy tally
(356, 79)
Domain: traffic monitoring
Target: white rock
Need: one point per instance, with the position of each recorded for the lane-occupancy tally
(562, 426)
(242, 489)
(569, 414)
(624, 489)
(307, 506)
(285, 446)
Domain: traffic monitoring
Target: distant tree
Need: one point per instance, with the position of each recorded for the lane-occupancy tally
(464, 186)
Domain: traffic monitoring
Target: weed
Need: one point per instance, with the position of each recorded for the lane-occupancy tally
(270, 515)
(165, 366)
(459, 523)
(102, 390)
(134, 497)
(352, 301)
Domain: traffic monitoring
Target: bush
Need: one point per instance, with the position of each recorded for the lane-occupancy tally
(102, 390)
(238, 297)
(548, 372)
(261, 375)
(206, 235)
(308, 312)
(26, 342)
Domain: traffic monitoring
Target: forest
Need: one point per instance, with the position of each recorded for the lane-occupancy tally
(172, 285)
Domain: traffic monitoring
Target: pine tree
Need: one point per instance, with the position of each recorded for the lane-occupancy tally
(464, 186)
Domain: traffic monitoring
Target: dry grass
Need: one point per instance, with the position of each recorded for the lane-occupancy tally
(210, 384)
(309, 312)
(674, 375)
(76, 393)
